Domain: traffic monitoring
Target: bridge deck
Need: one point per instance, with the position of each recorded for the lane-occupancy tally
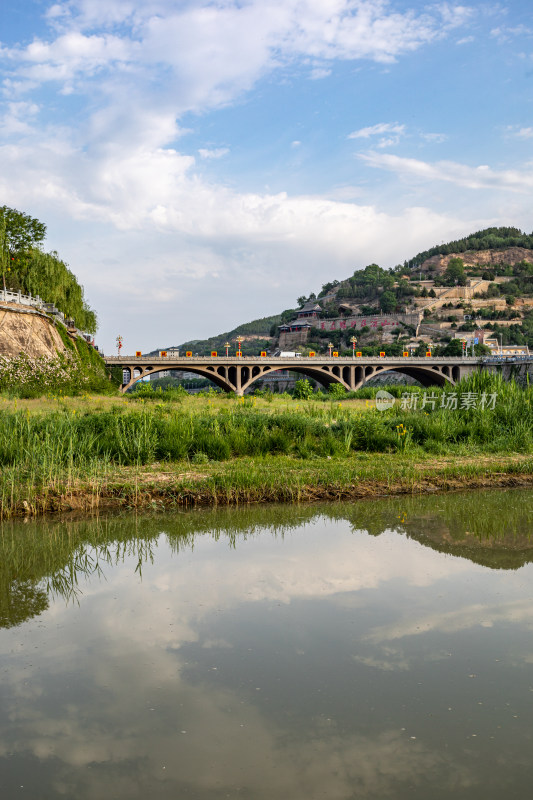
(284, 361)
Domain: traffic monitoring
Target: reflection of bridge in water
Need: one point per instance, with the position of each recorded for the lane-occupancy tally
(237, 374)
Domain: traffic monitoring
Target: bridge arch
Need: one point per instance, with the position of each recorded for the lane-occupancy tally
(135, 374)
(427, 376)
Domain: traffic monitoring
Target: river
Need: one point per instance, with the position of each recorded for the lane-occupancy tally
(356, 650)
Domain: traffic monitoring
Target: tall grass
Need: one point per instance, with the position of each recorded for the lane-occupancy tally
(41, 442)
(50, 452)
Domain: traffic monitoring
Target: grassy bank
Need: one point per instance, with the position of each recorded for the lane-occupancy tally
(91, 452)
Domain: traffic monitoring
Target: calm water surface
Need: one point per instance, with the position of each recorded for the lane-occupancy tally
(364, 650)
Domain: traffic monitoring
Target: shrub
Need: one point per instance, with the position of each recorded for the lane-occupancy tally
(336, 391)
(303, 389)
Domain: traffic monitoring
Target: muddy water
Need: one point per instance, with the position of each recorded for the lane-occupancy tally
(363, 650)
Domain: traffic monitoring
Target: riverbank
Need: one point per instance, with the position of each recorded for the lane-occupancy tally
(87, 453)
(269, 480)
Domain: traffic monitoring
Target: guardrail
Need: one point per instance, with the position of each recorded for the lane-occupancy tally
(21, 299)
(38, 303)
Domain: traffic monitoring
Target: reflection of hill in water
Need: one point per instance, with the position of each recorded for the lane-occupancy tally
(50, 556)
(492, 528)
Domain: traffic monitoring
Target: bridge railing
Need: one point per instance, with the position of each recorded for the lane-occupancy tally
(283, 359)
(498, 359)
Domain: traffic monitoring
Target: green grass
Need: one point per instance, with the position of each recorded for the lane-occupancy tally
(273, 450)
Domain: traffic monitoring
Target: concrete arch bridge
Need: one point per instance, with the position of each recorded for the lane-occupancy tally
(237, 374)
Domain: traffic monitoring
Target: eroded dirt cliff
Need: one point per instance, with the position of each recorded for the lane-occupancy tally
(23, 331)
(511, 255)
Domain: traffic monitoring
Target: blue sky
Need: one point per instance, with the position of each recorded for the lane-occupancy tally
(200, 164)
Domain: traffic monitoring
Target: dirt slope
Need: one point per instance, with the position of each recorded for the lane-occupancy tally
(24, 331)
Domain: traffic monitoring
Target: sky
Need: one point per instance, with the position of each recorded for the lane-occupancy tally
(202, 164)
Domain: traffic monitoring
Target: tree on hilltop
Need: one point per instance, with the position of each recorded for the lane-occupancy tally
(19, 233)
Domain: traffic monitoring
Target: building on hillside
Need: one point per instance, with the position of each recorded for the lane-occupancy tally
(478, 336)
(310, 310)
(507, 349)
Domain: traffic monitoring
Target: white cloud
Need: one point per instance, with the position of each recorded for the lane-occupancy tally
(376, 130)
(392, 132)
(509, 32)
(520, 133)
(217, 152)
(17, 118)
(319, 72)
(434, 138)
(393, 129)
(481, 177)
(216, 51)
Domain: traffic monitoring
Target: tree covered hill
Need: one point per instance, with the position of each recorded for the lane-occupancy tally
(487, 239)
(27, 268)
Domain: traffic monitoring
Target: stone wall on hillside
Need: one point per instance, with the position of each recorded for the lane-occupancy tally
(294, 333)
(484, 258)
(288, 340)
(26, 331)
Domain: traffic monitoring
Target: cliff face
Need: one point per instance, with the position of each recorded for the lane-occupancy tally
(485, 258)
(22, 331)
